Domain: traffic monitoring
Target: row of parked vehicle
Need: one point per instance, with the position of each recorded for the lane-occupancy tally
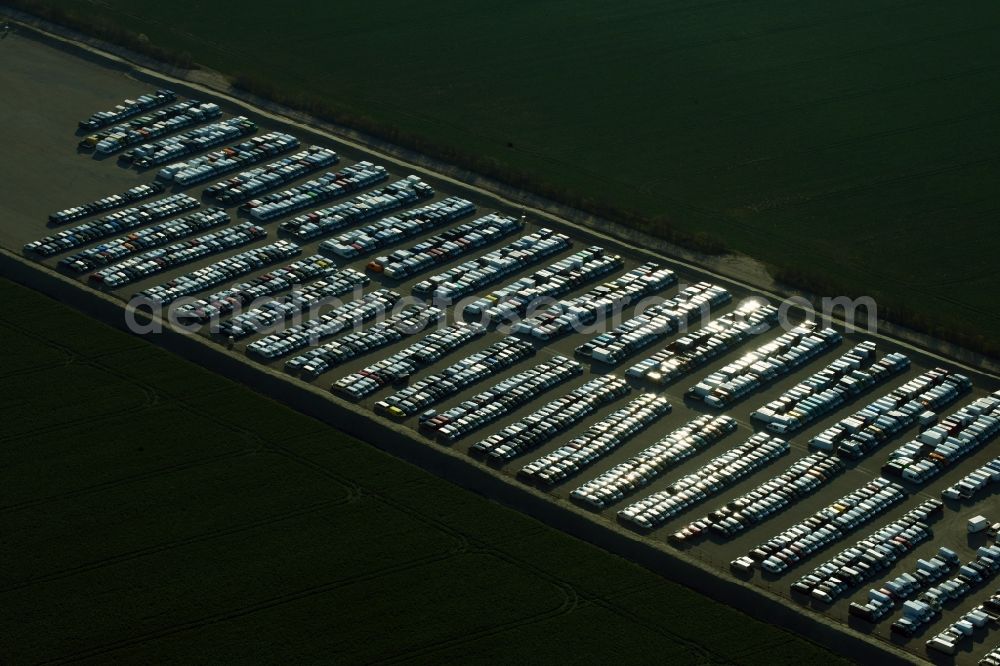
(870, 556)
(313, 192)
(497, 401)
(143, 124)
(152, 262)
(970, 575)
(983, 616)
(472, 275)
(860, 433)
(801, 479)
(109, 225)
(599, 440)
(306, 298)
(253, 150)
(941, 446)
(472, 369)
(882, 601)
(152, 126)
(236, 297)
(693, 350)
(828, 525)
(396, 228)
(110, 202)
(603, 301)
(641, 469)
(313, 331)
(440, 248)
(548, 421)
(410, 320)
(510, 303)
(397, 369)
(194, 141)
(250, 183)
(973, 482)
(769, 362)
(127, 109)
(835, 385)
(707, 481)
(991, 658)
(365, 206)
(221, 271)
(655, 323)
(142, 239)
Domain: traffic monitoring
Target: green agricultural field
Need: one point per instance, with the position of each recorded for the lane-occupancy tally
(151, 510)
(855, 144)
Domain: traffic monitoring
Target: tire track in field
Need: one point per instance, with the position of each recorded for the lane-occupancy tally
(113, 483)
(275, 446)
(572, 600)
(987, 312)
(893, 180)
(152, 396)
(15, 329)
(263, 605)
(459, 537)
(881, 47)
(875, 272)
(969, 278)
(35, 369)
(872, 271)
(354, 489)
(763, 35)
(861, 94)
(606, 603)
(83, 420)
(859, 139)
(254, 437)
(569, 603)
(97, 418)
(150, 393)
(707, 654)
(176, 543)
(766, 647)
